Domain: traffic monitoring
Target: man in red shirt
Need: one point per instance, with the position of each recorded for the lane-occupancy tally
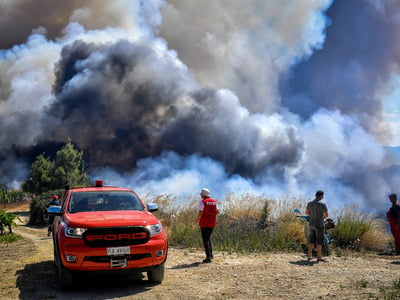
(393, 216)
(207, 219)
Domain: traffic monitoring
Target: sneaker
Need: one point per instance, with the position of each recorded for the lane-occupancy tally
(207, 260)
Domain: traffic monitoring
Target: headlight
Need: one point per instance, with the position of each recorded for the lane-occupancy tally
(154, 229)
(74, 232)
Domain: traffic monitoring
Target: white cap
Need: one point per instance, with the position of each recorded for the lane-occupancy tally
(205, 193)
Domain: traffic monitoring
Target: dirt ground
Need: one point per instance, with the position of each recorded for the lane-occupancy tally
(28, 272)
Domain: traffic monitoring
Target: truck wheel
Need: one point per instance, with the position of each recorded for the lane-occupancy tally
(65, 277)
(157, 274)
(55, 260)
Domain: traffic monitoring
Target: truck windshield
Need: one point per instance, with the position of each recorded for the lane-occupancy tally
(104, 201)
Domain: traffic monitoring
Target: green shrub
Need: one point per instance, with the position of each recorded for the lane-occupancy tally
(38, 208)
(9, 238)
(7, 220)
(37, 212)
(350, 228)
(184, 234)
(240, 235)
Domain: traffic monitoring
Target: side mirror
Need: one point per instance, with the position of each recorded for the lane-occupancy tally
(54, 211)
(152, 207)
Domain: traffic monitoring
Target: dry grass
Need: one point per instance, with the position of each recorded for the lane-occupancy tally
(295, 230)
(266, 224)
(375, 238)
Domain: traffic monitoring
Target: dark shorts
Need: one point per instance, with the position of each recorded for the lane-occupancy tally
(316, 235)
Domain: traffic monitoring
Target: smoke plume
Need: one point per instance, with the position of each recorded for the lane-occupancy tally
(267, 97)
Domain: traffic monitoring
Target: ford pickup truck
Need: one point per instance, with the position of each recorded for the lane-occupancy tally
(107, 229)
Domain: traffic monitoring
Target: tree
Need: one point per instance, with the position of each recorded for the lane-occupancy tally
(67, 169)
(41, 176)
(7, 220)
(4, 196)
(49, 178)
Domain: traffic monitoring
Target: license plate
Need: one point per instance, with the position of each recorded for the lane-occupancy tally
(118, 250)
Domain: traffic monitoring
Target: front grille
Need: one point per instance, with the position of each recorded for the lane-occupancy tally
(102, 259)
(116, 236)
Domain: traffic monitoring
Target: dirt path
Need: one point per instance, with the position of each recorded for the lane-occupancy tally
(230, 276)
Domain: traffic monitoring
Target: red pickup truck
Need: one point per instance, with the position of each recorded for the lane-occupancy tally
(107, 229)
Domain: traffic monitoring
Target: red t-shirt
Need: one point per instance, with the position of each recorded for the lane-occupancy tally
(209, 217)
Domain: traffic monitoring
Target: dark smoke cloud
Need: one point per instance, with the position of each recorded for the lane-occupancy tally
(171, 96)
(359, 58)
(126, 102)
(19, 18)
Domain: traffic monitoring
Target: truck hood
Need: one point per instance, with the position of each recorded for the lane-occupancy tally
(109, 219)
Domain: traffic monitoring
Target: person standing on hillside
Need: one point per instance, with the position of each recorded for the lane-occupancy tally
(54, 202)
(393, 216)
(207, 219)
(317, 212)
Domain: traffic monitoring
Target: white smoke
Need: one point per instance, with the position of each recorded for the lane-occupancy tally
(188, 94)
(244, 46)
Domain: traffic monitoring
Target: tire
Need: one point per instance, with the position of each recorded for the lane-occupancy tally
(65, 277)
(157, 274)
(55, 260)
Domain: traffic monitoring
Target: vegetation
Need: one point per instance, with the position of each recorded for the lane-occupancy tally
(253, 223)
(358, 231)
(38, 207)
(49, 178)
(8, 238)
(250, 223)
(12, 196)
(7, 220)
(48, 175)
(391, 293)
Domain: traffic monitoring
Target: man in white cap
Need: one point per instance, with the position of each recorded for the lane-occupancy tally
(207, 219)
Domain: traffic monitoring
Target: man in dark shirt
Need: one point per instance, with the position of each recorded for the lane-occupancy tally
(54, 202)
(317, 212)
